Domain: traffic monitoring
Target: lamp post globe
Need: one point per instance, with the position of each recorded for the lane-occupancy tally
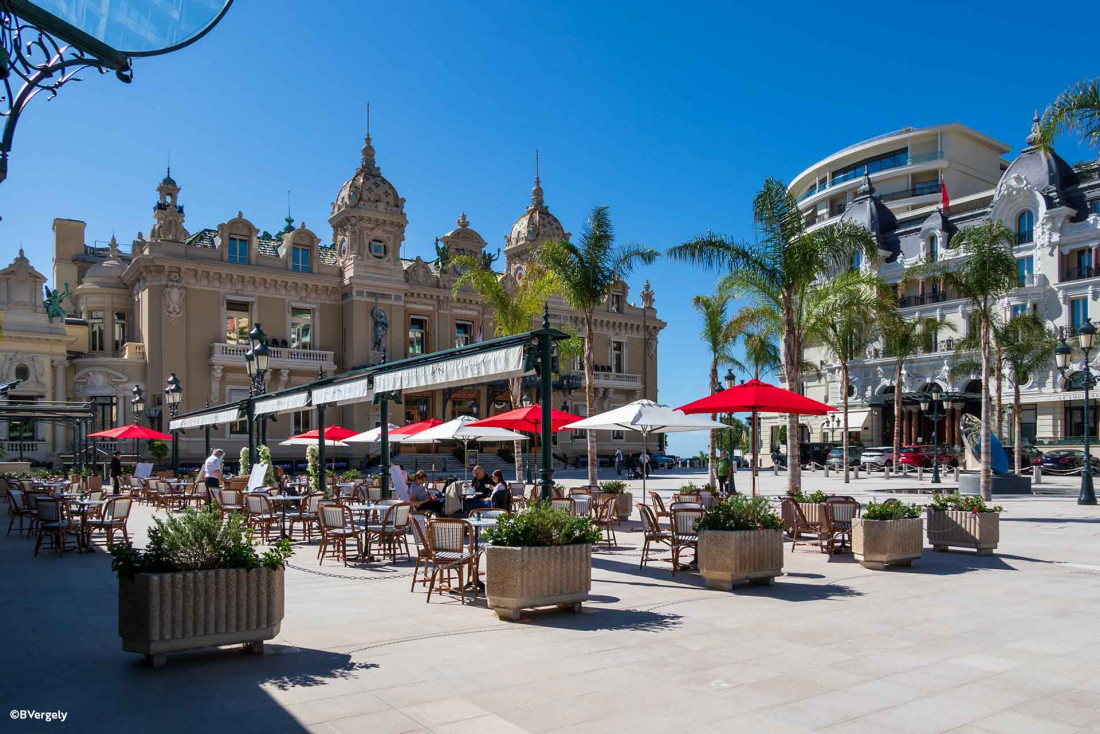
(730, 379)
(137, 403)
(1062, 354)
(262, 353)
(1086, 333)
(173, 394)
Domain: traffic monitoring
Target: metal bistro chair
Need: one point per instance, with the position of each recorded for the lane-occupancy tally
(418, 521)
(800, 526)
(260, 513)
(307, 515)
(337, 528)
(17, 507)
(452, 549)
(684, 536)
(605, 518)
(392, 531)
(52, 524)
(659, 509)
(230, 501)
(113, 519)
(651, 532)
(837, 516)
(564, 504)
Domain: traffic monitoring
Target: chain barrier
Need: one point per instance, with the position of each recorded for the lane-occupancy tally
(329, 575)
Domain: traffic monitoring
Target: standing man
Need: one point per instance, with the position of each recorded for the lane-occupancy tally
(116, 473)
(645, 463)
(723, 472)
(618, 462)
(212, 470)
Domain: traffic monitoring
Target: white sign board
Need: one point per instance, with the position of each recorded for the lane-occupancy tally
(256, 478)
(144, 470)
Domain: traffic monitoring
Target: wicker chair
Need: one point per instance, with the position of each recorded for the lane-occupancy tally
(337, 528)
(392, 531)
(659, 509)
(651, 532)
(260, 513)
(683, 533)
(51, 524)
(801, 525)
(606, 516)
(112, 519)
(307, 515)
(565, 504)
(418, 521)
(451, 541)
(17, 507)
(197, 495)
(837, 515)
(230, 501)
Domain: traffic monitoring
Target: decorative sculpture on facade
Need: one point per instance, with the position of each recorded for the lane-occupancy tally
(52, 302)
(381, 328)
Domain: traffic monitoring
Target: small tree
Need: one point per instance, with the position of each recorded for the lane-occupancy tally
(263, 454)
(158, 450)
(719, 335)
(246, 461)
(313, 469)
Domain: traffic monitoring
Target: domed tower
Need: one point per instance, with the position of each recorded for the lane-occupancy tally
(368, 221)
(168, 213)
(536, 225)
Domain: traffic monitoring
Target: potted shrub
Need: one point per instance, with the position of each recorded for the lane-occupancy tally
(625, 502)
(963, 522)
(536, 558)
(888, 534)
(351, 475)
(740, 538)
(199, 583)
(810, 504)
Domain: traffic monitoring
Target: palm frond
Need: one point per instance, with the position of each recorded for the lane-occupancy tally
(1075, 110)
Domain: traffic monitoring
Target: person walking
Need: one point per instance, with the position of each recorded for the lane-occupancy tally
(212, 471)
(723, 471)
(116, 473)
(618, 462)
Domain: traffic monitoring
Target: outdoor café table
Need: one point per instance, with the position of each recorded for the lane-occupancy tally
(479, 525)
(580, 504)
(366, 509)
(283, 500)
(83, 537)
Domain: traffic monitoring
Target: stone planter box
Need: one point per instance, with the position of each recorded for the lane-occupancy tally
(880, 543)
(521, 578)
(625, 505)
(960, 529)
(159, 613)
(726, 556)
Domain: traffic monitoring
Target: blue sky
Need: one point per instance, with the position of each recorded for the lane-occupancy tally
(672, 115)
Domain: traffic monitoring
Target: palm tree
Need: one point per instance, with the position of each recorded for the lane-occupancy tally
(984, 272)
(849, 329)
(584, 275)
(1076, 110)
(761, 353)
(1029, 348)
(513, 312)
(719, 335)
(776, 273)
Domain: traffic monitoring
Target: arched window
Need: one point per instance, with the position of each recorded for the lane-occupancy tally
(22, 372)
(1025, 227)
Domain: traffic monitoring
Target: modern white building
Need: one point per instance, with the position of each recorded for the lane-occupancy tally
(890, 185)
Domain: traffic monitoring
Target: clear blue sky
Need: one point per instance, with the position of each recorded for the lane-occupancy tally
(672, 115)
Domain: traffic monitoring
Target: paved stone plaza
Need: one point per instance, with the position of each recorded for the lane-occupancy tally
(958, 643)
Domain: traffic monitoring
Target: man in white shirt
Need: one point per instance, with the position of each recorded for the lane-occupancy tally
(212, 470)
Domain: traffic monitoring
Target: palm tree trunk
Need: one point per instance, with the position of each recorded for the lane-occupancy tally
(791, 359)
(712, 473)
(986, 481)
(515, 385)
(897, 411)
(998, 386)
(844, 402)
(1017, 439)
(590, 395)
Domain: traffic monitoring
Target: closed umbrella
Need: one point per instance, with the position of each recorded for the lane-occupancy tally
(757, 397)
(645, 417)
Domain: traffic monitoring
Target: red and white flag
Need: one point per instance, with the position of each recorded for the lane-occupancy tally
(945, 200)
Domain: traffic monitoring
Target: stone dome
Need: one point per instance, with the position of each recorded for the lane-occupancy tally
(368, 188)
(107, 273)
(536, 224)
(464, 237)
(869, 211)
(1042, 168)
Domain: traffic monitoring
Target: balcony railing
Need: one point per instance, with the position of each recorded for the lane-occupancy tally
(922, 300)
(1087, 271)
(883, 165)
(233, 354)
(133, 350)
(933, 155)
(13, 449)
(623, 380)
(921, 189)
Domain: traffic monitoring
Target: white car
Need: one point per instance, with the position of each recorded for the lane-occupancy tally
(878, 457)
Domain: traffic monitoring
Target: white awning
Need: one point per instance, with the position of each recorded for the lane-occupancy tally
(497, 365)
(857, 419)
(282, 403)
(352, 391)
(205, 419)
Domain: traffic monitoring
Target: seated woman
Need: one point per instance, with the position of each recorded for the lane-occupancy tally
(422, 500)
(501, 498)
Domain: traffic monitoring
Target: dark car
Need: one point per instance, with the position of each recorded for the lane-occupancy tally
(1066, 460)
(659, 461)
(1029, 457)
(836, 457)
(816, 452)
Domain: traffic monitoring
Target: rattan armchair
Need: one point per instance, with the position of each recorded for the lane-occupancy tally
(684, 535)
(113, 518)
(52, 524)
(451, 541)
(606, 516)
(260, 513)
(651, 532)
(337, 530)
(837, 515)
(392, 532)
(307, 515)
(800, 525)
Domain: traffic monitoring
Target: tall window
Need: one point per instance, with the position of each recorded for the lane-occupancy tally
(418, 335)
(1079, 313)
(24, 428)
(299, 259)
(106, 412)
(121, 334)
(95, 332)
(933, 248)
(1019, 309)
(238, 250)
(238, 320)
(1028, 427)
(857, 260)
(233, 395)
(1025, 227)
(618, 357)
(464, 333)
(616, 303)
(1083, 260)
(300, 422)
(301, 328)
(1025, 271)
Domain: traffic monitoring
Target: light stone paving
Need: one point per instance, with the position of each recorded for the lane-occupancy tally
(958, 643)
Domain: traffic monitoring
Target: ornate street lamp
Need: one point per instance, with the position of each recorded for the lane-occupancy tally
(933, 407)
(255, 363)
(173, 394)
(1086, 333)
(137, 403)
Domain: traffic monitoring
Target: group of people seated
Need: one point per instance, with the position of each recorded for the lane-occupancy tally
(488, 491)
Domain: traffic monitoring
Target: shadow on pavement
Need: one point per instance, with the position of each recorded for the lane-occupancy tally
(605, 620)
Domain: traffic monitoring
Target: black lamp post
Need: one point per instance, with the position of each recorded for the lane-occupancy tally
(255, 362)
(932, 405)
(1086, 333)
(173, 394)
(137, 403)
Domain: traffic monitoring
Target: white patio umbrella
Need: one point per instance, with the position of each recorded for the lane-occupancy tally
(374, 435)
(645, 417)
(460, 429)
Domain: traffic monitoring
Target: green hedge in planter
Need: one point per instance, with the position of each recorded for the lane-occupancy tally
(967, 503)
(891, 510)
(615, 486)
(739, 512)
(813, 498)
(542, 525)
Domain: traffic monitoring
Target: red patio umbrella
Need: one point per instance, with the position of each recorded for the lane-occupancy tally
(133, 432)
(332, 433)
(529, 420)
(411, 430)
(757, 397)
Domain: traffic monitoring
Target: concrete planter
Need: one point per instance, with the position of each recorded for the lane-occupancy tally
(726, 556)
(960, 529)
(625, 505)
(521, 578)
(880, 543)
(159, 613)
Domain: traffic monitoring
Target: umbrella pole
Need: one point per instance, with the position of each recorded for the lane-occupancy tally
(755, 453)
(645, 442)
(433, 460)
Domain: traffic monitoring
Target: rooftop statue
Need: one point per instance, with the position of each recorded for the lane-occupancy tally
(52, 302)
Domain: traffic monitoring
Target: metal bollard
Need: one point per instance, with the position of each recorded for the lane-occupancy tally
(826, 471)
(775, 469)
(885, 472)
(813, 467)
(956, 475)
(920, 473)
(857, 471)
(1036, 474)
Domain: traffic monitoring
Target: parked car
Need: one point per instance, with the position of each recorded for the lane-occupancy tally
(740, 461)
(1063, 460)
(818, 452)
(836, 457)
(923, 455)
(659, 461)
(1029, 457)
(878, 457)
